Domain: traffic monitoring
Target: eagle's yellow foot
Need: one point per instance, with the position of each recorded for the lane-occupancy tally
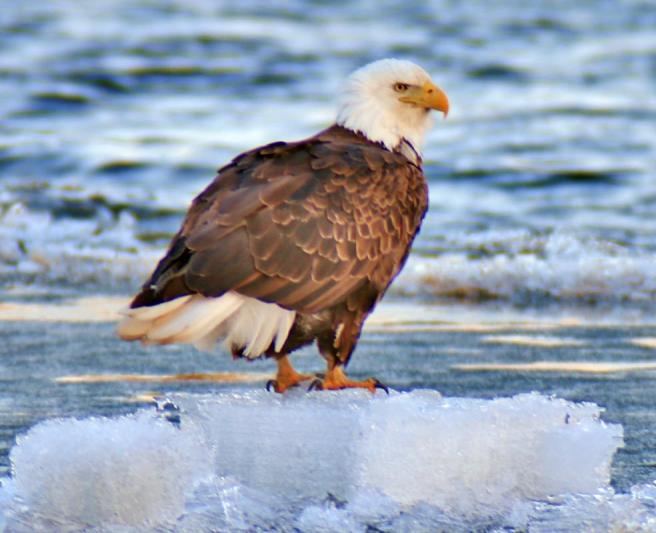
(336, 379)
(286, 377)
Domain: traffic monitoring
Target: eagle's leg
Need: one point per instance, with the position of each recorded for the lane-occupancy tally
(336, 379)
(286, 377)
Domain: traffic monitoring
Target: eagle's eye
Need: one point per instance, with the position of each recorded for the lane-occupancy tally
(400, 87)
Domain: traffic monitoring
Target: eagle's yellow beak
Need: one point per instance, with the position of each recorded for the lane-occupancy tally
(428, 96)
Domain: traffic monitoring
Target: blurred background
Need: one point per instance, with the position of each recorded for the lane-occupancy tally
(114, 114)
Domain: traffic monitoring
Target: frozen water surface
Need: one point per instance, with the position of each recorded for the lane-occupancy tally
(346, 461)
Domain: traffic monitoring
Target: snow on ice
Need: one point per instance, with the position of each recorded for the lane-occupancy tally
(345, 461)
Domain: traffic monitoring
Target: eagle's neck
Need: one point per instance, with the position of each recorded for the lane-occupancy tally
(406, 149)
(378, 124)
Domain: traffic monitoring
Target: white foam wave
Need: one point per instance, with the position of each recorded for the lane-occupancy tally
(559, 266)
(33, 243)
(509, 265)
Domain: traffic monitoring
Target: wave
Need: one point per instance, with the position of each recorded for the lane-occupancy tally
(117, 251)
(560, 267)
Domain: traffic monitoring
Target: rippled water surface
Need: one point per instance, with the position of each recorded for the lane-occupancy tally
(115, 114)
(543, 185)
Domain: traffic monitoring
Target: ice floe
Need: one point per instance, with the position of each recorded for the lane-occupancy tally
(346, 461)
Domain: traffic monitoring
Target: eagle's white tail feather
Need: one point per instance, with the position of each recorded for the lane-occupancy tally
(198, 314)
(132, 329)
(137, 321)
(285, 323)
(216, 314)
(207, 342)
(266, 331)
(247, 323)
(256, 326)
(152, 312)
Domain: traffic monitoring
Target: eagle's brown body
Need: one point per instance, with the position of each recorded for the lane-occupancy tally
(320, 227)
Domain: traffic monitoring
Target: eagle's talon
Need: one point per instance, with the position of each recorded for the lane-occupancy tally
(316, 384)
(379, 385)
(286, 377)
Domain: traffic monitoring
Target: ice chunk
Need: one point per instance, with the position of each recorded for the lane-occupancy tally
(458, 454)
(130, 470)
(6, 495)
(602, 511)
(326, 520)
(464, 454)
(298, 445)
(344, 461)
(223, 504)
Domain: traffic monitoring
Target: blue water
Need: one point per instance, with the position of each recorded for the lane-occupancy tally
(115, 114)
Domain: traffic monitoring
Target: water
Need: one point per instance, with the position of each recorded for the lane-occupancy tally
(542, 179)
(115, 114)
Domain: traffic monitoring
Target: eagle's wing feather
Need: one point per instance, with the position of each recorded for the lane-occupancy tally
(303, 225)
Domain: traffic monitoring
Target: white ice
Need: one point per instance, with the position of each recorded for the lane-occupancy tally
(343, 461)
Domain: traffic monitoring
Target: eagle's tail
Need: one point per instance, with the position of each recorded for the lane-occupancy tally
(249, 326)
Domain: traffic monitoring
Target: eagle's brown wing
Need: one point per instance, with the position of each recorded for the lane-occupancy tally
(302, 225)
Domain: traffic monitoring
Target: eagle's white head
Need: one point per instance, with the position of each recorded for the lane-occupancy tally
(390, 100)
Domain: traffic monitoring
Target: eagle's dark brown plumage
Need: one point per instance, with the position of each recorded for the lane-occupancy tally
(318, 227)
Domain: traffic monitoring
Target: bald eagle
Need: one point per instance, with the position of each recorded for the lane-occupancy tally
(297, 241)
